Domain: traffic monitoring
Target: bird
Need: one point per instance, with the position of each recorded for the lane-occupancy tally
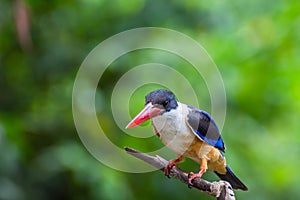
(189, 132)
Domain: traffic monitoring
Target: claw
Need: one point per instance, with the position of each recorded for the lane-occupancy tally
(168, 168)
(189, 182)
(192, 176)
(170, 165)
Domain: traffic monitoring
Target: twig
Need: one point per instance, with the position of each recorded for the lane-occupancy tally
(222, 190)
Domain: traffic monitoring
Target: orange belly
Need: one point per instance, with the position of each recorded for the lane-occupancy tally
(199, 149)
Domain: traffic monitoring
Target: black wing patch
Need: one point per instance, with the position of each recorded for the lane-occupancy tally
(205, 127)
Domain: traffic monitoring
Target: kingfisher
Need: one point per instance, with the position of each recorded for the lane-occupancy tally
(189, 132)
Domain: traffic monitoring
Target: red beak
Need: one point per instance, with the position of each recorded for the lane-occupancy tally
(148, 112)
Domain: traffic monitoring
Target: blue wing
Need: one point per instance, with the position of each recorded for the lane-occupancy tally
(205, 128)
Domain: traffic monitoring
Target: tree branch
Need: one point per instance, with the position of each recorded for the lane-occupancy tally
(222, 190)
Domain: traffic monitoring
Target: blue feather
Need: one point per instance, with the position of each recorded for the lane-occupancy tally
(216, 143)
(205, 127)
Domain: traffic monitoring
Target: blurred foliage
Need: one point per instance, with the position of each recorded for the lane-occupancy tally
(255, 44)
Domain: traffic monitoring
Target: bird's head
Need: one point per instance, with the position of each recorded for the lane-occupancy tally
(157, 103)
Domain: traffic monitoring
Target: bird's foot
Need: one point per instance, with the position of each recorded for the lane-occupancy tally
(169, 167)
(192, 176)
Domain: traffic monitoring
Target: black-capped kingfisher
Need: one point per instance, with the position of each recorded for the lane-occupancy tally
(189, 132)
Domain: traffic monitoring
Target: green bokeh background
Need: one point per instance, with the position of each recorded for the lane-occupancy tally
(255, 45)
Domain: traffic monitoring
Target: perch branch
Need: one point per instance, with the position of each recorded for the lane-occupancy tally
(222, 190)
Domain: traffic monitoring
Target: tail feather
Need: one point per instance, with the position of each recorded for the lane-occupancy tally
(234, 181)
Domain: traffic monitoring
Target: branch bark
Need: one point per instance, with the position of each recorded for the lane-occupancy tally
(222, 190)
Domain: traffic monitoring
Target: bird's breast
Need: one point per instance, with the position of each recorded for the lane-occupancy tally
(173, 130)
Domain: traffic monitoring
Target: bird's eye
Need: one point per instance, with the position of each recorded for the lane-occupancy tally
(166, 103)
